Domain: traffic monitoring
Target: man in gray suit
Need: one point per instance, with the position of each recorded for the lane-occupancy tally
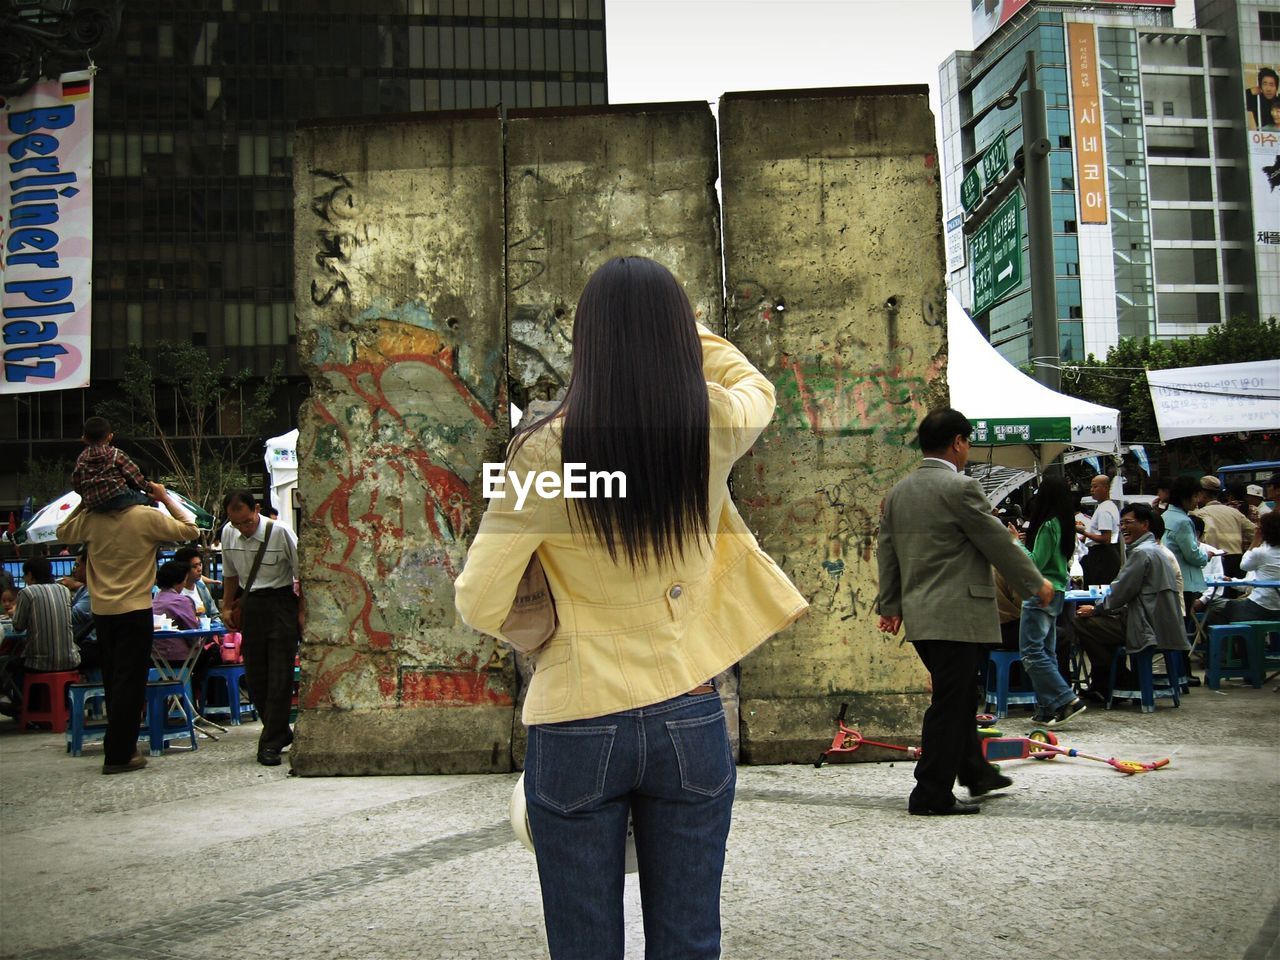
(938, 542)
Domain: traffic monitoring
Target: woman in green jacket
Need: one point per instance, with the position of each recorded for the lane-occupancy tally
(1051, 532)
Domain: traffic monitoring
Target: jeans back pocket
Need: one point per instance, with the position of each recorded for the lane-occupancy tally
(703, 752)
(571, 764)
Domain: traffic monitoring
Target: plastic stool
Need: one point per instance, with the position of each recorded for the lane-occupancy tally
(1223, 664)
(80, 732)
(1141, 664)
(159, 731)
(998, 692)
(230, 675)
(53, 699)
(1269, 631)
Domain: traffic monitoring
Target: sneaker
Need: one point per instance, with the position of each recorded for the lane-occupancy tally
(136, 762)
(1067, 712)
(1043, 716)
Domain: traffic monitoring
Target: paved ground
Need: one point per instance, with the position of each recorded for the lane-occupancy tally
(208, 856)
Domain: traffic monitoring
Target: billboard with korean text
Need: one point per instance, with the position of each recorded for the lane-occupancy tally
(1086, 121)
(1262, 127)
(46, 235)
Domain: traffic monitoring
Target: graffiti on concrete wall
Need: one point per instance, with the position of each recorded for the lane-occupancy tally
(336, 241)
(390, 508)
(859, 411)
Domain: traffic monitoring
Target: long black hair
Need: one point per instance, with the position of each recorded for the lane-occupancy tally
(637, 403)
(1054, 499)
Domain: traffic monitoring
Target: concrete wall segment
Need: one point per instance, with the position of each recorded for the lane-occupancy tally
(399, 255)
(439, 261)
(587, 184)
(835, 273)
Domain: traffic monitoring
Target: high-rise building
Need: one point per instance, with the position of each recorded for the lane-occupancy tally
(1251, 29)
(1151, 214)
(194, 110)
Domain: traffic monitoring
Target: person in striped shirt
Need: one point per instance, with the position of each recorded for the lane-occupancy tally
(44, 612)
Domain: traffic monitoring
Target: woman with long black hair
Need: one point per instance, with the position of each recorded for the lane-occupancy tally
(1051, 531)
(658, 587)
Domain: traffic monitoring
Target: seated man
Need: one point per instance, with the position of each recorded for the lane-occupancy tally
(1144, 607)
(43, 610)
(10, 653)
(82, 627)
(194, 586)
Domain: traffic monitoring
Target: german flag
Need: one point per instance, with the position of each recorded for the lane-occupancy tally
(76, 89)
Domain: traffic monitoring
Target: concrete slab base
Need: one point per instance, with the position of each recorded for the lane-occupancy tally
(432, 740)
(790, 730)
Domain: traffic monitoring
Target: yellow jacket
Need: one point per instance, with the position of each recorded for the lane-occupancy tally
(629, 638)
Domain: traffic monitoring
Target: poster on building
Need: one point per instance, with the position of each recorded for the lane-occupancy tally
(46, 235)
(1086, 121)
(1262, 127)
(955, 242)
(989, 15)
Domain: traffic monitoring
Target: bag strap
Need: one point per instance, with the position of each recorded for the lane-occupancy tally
(262, 552)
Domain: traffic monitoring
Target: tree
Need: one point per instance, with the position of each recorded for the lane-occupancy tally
(1121, 380)
(200, 423)
(45, 480)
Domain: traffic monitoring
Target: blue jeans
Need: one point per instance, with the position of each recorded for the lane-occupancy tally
(670, 766)
(1037, 642)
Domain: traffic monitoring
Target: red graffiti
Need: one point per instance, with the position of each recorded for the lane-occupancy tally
(448, 688)
(386, 463)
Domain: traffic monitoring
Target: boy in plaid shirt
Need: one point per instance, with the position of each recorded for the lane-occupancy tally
(104, 476)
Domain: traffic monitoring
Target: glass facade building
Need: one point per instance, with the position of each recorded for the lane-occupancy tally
(195, 106)
(1139, 273)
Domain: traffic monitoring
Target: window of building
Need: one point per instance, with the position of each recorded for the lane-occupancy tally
(1269, 26)
(1168, 108)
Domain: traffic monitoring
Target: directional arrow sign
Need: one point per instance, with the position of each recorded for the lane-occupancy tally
(996, 254)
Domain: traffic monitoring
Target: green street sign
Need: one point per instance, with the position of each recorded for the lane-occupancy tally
(970, 190)
(995, 161)
(996, 254)
(994, 433)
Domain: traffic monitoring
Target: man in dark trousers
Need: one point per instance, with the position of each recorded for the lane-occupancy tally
(938, 542)
(263, 604)
(120, 570)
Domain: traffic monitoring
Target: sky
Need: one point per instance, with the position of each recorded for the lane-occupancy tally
(672, 50)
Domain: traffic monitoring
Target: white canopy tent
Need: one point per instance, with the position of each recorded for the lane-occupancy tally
(1017, 422)
(281, 457)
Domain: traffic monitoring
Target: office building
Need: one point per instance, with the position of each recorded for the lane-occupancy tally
(1151, 211)
(194, 108)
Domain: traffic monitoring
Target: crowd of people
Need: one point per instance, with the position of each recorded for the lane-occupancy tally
(961, 582)
(101, 618)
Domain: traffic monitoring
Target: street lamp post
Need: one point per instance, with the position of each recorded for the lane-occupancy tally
(1045, 355)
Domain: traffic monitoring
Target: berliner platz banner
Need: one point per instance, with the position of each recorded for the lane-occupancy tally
(46, 235)
(1222, 398)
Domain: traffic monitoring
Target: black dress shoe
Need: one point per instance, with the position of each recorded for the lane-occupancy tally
(956, 809)
(269, 757)
(991, 781)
